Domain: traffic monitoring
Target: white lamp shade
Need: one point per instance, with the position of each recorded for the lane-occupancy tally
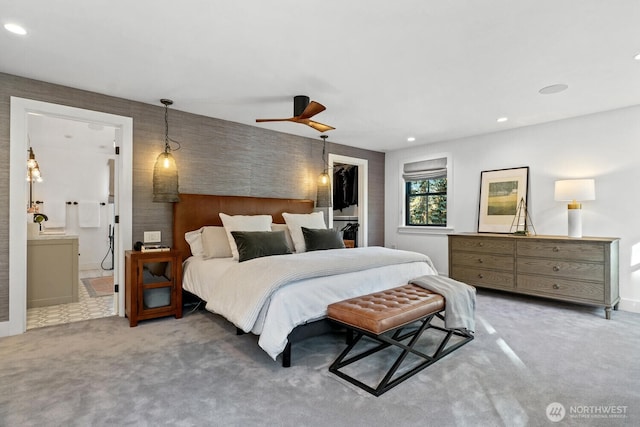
(575, 189)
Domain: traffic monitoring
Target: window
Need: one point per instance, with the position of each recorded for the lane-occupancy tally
(426, 193)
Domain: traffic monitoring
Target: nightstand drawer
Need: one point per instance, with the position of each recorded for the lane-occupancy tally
(570, 251)
(566, 269)
(483, 278)
(483, 260)
(495, 246)
(567, 288)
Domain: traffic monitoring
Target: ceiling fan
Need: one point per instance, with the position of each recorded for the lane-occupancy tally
(303, 110)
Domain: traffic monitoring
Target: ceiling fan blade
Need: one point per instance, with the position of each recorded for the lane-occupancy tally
(290, 119)
(312, 109)
(318, 126)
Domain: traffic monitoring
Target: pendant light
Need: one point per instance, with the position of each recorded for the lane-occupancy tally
(33, 175)
(323, 197)
(165, 171)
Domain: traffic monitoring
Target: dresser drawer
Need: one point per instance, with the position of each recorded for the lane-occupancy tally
(589, 292)
(483, 278)
(483, 260)
(567, 269)
(475, 244)
(571, 251)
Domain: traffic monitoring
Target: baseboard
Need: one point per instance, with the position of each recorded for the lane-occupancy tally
(92, 266)
(629, 305)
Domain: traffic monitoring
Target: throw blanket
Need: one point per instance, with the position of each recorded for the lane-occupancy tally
(244, 288)
(460, 299)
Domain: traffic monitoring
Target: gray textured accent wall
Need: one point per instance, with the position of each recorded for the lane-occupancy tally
(217, 157)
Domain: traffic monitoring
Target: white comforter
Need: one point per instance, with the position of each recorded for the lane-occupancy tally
(271, 296)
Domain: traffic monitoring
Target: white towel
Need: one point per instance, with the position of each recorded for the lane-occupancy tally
(56, 212)
(89, 214)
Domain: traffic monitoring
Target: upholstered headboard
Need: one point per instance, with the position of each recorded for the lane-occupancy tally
(196, 210)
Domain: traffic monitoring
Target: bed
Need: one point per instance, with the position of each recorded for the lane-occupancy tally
(281, 298)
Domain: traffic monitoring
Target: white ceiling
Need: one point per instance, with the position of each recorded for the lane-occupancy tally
(385, 70)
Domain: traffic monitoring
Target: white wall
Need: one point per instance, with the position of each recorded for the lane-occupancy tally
(603, 146)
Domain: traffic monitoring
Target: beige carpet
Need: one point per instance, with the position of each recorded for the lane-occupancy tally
(99, 286)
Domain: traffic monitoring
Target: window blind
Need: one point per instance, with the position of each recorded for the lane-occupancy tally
(425, 169)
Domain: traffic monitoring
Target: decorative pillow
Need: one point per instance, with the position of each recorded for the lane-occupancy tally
(244, 223)
(316, 240)
(194, 239)
(256, 244)
(295, 222)
(215, 243)
(287, 234)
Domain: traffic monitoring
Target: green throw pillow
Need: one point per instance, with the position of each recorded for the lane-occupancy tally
(319, 239)
(256, 244)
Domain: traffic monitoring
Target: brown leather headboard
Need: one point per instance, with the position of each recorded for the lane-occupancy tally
(195, 210)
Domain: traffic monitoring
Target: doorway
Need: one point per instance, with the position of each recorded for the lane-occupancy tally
(74, 196)
(357, 213)
(21, 110)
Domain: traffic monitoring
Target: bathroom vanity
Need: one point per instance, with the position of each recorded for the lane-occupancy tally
(52, 270)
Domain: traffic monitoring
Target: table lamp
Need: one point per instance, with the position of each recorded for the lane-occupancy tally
(575, 191)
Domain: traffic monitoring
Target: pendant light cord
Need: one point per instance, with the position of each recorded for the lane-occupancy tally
(167, 140)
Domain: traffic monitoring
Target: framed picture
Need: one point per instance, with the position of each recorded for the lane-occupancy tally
(500, 193)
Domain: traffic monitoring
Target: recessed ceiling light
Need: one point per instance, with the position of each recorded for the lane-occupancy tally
(502, 119)
(411, 139)
(548, 90)
(637, 57)
(15, 29)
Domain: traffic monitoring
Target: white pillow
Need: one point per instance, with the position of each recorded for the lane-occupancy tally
(215, 243)
(295, 222)
(287, 234)
(194, 239)
(244, 223)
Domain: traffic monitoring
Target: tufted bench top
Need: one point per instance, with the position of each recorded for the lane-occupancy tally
(385, 310)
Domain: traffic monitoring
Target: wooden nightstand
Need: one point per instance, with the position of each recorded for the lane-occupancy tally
(153, 285)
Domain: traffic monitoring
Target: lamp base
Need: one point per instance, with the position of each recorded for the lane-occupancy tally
(575, 222)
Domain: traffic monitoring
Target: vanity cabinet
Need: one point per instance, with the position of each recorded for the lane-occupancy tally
(580, 270)
(52, 270)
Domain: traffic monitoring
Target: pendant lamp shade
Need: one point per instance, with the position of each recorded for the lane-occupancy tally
(165, 179)
(165, 171)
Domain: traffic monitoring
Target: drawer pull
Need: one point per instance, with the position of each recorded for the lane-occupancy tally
(481, 244)
(480, 276)
(555, 286)
(480, 260)
(556, 268)
(556, 249)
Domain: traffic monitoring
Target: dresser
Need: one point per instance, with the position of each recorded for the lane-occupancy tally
(583, 270)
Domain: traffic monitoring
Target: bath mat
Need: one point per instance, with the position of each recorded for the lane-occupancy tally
(99, 286)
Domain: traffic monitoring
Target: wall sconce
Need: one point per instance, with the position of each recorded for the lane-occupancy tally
(324, 196)
(33, 174)
(165, 171)
(575, 191)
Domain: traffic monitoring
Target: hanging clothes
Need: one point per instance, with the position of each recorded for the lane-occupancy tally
(345, 186)
(352, 185)
(339, 188)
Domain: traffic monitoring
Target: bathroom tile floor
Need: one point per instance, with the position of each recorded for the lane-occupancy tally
(85, 309)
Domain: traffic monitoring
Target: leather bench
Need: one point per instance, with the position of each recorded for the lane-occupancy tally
(383, 317)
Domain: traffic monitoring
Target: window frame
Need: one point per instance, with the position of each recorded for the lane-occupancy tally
(405, 228)
(407, 200)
